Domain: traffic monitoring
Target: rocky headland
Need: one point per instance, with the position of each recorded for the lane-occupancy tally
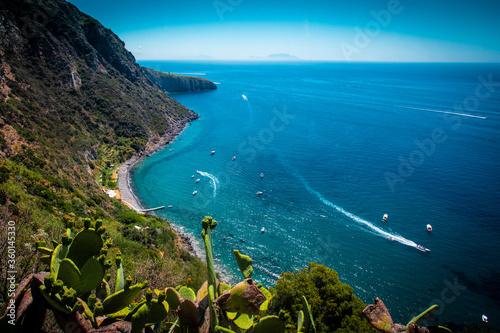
(169, 82)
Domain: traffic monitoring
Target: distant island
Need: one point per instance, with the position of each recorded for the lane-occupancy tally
(282, 56)
(276, 57)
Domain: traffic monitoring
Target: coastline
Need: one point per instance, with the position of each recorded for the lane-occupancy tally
(183, 239)
(128, 196)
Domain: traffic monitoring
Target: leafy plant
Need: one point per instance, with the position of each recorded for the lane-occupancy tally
(331, 303)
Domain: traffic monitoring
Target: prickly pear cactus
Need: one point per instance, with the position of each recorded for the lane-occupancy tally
(77, 267)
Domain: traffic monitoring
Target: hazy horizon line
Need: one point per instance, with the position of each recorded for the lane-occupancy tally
(323, 61)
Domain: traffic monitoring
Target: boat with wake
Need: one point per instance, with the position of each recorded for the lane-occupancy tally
(423, 249)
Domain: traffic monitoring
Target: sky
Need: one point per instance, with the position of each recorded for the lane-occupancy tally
(333, 30)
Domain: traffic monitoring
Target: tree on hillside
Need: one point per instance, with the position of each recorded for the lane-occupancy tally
(334, 306)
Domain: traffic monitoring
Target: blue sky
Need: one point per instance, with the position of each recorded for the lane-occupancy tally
(357, 30)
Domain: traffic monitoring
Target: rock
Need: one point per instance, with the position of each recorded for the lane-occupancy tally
(379, 317)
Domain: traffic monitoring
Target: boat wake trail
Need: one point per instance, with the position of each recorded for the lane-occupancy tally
(250, 110)
(214, 179)
(373, 228)
(440, 111)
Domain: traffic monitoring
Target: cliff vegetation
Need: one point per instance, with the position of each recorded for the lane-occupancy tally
(74, 104)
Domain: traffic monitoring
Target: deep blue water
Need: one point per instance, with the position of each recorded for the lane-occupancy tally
(340, 145)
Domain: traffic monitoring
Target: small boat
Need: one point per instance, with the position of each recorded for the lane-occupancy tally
(259, 193)
(384, 218)
(170, 206)
(234, 157)
(197, 180)
(484, 318)
(194, 193)
(429, 227)
(212, 152)
(262, 230)
(192, 176)
(261, 175)
(421, 248)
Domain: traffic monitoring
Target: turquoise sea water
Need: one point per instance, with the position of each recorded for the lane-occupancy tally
(340, 145)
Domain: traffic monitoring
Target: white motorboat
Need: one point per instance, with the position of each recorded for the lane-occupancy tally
(421, 248)
(429, 227)
(384, 218)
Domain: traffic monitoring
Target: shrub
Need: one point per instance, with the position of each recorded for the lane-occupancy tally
(335, 307)
(4, 174)
(130, 217)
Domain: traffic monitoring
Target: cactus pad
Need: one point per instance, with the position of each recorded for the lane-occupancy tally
(159, 311)
(173, 298)
(140, 318)
(243, 321)
(91, 276)
(187, 293)
(117, 301)
(423, 315)
(269, 324)
(69, 273)
(57, 256)
(87, 243)
(300, 322)
(308, 317)
(244, 263)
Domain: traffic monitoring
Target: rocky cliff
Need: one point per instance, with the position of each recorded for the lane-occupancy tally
(74, 105)
(63, 74)
(178, 83)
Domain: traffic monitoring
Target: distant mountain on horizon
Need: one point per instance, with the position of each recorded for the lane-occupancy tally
(276, 57)
(282, 56)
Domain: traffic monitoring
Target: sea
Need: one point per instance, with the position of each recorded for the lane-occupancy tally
(309, 156)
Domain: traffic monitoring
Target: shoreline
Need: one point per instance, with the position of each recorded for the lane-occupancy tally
(128, 196)
(184, 239)
(124, 186)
